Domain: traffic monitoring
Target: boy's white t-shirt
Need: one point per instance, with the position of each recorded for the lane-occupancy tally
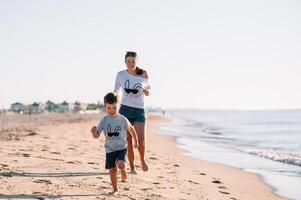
(115, 132)
(132, 89)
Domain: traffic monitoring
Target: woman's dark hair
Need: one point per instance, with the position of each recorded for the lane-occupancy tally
(110, 98)
(130, 54)
(139, 71)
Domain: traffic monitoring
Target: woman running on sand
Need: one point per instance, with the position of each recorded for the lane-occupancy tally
(133, 83)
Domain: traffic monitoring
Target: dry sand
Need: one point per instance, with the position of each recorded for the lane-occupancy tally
(55, 157)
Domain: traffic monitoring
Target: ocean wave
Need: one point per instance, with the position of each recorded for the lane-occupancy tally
(272, 123)
(213, 132)
(283, 157)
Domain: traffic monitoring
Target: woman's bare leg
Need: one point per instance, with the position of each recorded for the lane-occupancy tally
(140, 130)
(131, 153)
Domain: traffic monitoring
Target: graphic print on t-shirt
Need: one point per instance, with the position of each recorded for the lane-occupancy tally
(116, 131)
(134, 91)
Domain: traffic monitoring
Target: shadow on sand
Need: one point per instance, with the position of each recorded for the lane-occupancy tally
(46, 196)
(63, 174)
(30, 196)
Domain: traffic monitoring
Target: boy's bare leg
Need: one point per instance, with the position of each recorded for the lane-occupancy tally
(113, 176)
(121, 166)
(131, 153)
(140, 130)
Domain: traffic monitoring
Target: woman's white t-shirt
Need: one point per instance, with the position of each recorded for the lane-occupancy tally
(132, 89)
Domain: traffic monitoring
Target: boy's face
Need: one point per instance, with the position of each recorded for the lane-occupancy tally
(111, 109)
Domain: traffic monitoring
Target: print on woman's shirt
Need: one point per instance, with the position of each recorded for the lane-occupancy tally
(116, 131)
(134, 91)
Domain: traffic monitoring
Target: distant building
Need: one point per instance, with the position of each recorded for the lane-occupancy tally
(100, 105)
(16, 107)
(77, 107)
(92, 106)
(63, 107)
(35, 108)
(50, 106)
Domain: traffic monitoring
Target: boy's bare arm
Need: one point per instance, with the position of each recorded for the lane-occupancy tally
(94, 132)
(146, 92)
(134, 136)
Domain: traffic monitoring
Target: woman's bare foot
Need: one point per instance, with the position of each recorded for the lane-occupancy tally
(123, 175)
(114, 192)
(144, 166)
(133, 171)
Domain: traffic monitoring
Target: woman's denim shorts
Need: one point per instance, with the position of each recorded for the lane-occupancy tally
(134, 115)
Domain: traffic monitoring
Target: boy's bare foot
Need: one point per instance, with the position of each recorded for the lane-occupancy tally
(114, 192)
(144, 166)
(123, 175)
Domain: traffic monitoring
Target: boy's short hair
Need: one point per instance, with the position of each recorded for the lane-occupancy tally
(111, 98)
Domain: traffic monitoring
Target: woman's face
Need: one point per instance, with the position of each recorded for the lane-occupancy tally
(130, 62)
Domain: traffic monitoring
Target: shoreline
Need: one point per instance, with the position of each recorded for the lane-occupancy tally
(270, 191)
(261, 178)
(62, 160)
(281, 177)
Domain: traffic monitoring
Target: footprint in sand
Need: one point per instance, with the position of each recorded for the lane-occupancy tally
(42, 181)
(153, 158)
(4, 165)
(216, 182)
(145, 189)
(22, 150)
(190, 181)
(223, 192)
(104, 187)
(106, 182)
(156, 183)
(31, 133)
(176, 165)
(155, 195)
(55, 152)
(73, 162)
(37, 193)
(92, 163)
(25, 155)
(222, 187)
(202, 174)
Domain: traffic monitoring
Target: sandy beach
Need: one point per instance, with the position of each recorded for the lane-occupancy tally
(55, 157)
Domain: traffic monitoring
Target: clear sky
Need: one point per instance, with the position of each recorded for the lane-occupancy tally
(212, 54)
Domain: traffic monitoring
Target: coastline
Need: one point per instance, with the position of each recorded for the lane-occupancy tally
(62, 160)
(238, 185)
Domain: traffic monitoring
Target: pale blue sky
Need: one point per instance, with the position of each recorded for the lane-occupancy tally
(202, 54)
